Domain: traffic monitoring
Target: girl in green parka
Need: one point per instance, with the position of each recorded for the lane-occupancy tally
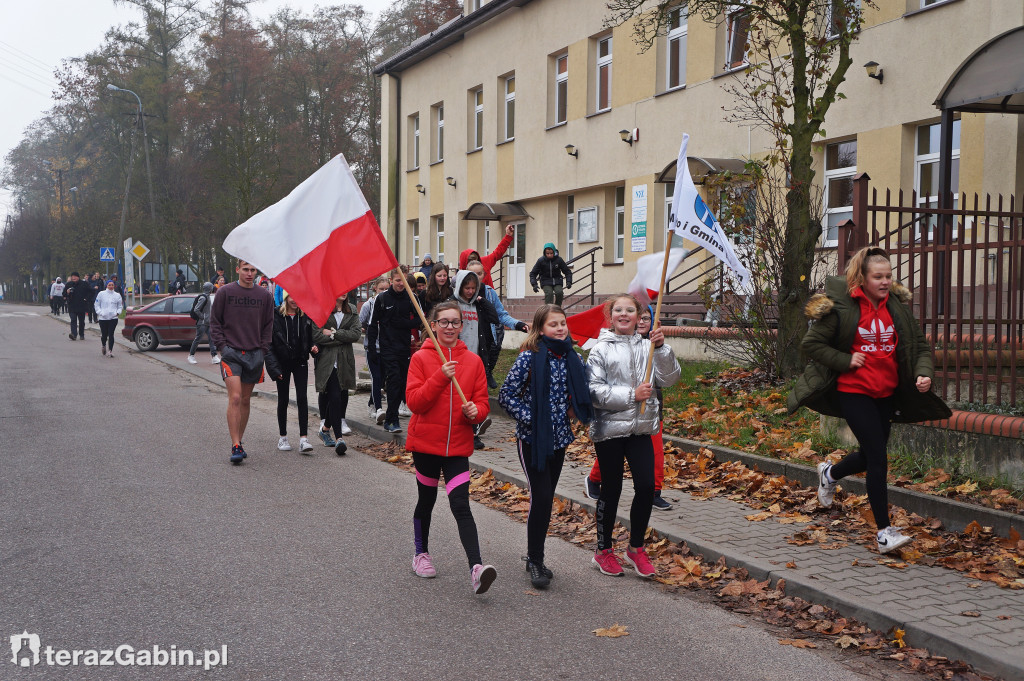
(335, 371)
(870, 364)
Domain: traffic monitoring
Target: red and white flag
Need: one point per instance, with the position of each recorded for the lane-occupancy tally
(317, 243)
(585, 327)
(646, 285)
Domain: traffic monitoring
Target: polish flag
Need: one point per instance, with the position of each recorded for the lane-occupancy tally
(584, 327)
(318, 243)
(647, 282)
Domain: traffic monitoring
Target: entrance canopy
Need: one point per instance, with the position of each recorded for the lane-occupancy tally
(494, 211)
(700, 168)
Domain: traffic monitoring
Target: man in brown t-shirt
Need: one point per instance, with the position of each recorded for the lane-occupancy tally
(241, 327)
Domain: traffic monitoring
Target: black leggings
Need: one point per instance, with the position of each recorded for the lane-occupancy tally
(301, 375)
(456, 483)
(542, 493)
(870, 419)
(333, 403)
(638, 450)
(107, 327)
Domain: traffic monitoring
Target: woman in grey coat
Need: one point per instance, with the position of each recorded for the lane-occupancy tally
(335, 371)
(621, 433)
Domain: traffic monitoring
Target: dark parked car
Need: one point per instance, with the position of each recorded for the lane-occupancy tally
(162, 322)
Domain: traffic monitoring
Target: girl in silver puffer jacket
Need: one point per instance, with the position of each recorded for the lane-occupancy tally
(615, 370)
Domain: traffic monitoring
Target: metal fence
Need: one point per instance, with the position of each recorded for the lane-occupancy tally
(965, 265)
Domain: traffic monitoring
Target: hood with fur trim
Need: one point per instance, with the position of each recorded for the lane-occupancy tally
(820, 304)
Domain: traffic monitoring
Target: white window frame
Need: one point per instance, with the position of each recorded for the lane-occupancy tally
(472, 5)
(676, 36)
(562, 89)
(478, 118)
(603, 64)
(415, 240)
(830, 175)
(735, 13)
(510, 109)
(416, 141)
(439, 237)
(570, 226)
(439, 133)
(932, 158)
(619, 240)
(487, 236)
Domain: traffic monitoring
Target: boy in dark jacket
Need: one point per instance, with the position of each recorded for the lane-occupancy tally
(391, 327)
(549, 270)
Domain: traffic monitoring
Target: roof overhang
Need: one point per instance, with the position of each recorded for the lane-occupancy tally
(494, 211)
(991, 80)
(700, 168)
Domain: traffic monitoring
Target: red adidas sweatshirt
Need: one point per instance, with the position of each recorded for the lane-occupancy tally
(876, 338)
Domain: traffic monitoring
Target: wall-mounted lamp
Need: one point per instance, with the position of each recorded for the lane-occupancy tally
(873, 71)
(450, 181)
(572, 151)
(630, 136)
(421, 189)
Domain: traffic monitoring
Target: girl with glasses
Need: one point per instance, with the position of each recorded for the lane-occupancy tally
(621, 433)
(441, 437)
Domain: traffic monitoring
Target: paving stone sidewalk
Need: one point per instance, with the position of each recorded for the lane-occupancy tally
(927, 602)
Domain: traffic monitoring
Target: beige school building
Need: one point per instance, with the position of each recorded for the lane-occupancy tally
(534, 113)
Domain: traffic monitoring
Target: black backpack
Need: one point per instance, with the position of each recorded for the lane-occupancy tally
(198, 305)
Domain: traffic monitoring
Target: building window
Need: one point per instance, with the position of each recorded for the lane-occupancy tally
(737, 35)
(620, 224)
(561, 87)
(570, 227)
(676, 68)
(438, 116)
(926, 173)
(478, 118)
(604, 74)
(472, 6)
(840, 167)
(510, 108)
(415, 224)
(414, 126)
(836, 16)
(439, 231)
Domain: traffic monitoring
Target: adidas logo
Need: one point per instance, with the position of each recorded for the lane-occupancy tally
(877, 333)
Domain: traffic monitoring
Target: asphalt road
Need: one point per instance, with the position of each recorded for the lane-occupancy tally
(124, 524)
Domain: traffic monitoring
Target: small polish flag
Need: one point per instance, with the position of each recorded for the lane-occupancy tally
(645, 285)
(317, 243)
(585, 327)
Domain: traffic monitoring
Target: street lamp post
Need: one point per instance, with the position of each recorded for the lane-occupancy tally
(140, 119)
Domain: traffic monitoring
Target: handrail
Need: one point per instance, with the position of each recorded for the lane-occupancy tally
(589, 275)
(585, 253)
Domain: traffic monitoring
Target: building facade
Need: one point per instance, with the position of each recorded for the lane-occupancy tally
(538, 106)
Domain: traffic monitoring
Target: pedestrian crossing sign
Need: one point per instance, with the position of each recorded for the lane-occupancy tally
(106, 255)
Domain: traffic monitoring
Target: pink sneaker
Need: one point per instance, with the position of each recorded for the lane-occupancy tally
(640, 562)
(423, 566)
(481, 577)
(607, 563)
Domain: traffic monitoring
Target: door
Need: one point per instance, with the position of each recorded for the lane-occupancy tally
(517, 262)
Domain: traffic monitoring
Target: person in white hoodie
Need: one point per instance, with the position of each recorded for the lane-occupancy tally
(108, 308)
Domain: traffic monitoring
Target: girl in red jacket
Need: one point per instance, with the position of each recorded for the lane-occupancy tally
(441, 436)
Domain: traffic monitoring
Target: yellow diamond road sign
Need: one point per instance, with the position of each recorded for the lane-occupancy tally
(139, 250)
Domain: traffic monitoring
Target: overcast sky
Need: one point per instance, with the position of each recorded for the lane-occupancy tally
(35, 35)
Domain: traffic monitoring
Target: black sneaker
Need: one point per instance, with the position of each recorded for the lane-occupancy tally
(543, 568)
(482, 427)
(72, 336)
(592, 489)
(340, 448)
(659, 503)
(491, 383)
(477, 442)
(537, 576)
(237, 454)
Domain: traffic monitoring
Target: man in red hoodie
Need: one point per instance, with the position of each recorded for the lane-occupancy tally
(489, 259)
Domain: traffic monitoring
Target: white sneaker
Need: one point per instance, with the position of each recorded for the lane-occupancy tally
(215, 360)
(304, 445)
(404, 410)
(345, 430)
(380, 416)
(826, 489)
(891, 539)
(192, 359)
(283, 445)
(371, 411)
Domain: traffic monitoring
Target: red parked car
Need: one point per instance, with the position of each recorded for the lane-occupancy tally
(162, 322)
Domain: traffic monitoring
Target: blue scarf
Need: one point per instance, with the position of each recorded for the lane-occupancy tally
(540, 395)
